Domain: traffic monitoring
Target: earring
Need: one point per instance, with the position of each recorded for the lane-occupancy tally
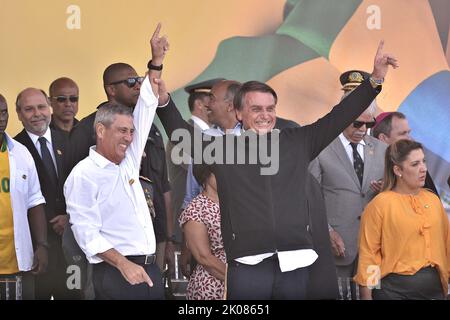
(400, 175)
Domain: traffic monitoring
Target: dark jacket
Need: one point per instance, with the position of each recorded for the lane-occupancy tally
(54, 197)
(322, 282)
(265, 213)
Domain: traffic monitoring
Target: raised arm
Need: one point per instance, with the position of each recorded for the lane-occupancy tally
(321, 133)
(151, 89)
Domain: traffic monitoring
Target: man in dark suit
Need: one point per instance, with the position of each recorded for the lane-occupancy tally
(47, 149)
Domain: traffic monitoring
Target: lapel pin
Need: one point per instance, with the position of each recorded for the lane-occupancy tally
(59, 152)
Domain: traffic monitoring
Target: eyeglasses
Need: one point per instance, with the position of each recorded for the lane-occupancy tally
(62, 99)
(359, 124)
(130, 82)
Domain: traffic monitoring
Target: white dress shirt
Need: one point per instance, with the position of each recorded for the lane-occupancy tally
(349, 150)
(25, 193)
(105, 201)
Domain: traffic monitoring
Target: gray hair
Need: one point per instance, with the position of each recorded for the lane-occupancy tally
(371, 110)
(106, 114)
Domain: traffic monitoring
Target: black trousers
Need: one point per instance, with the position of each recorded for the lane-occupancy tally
(265, 281)
(424, 285)
(109, 284)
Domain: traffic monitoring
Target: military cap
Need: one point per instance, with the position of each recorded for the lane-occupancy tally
(204, 86)
(353, 78)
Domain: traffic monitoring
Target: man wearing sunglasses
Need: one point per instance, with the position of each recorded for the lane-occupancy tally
(64, 101)
(348, 171)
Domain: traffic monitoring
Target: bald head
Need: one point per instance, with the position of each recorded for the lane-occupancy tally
(64, 95)
(2, 99)
(61, 83)
(114, 71)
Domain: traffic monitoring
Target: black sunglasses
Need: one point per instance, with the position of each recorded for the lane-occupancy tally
(130, 82)
(359, 124)
(62, 99)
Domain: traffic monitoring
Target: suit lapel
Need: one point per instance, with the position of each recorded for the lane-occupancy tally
(25, 139)
(58, 149)
(369, 151)
(339, 149)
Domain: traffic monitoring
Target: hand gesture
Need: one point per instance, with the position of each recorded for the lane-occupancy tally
(159, 46)
(382, 62)
(134, 273)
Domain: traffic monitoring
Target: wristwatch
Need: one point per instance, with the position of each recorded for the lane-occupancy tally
(150, 66)
(376, 83)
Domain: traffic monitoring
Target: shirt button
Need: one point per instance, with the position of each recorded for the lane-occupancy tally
(362, 195)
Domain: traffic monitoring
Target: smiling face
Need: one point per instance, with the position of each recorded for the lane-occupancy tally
(218, 104)
(114, 140)
(411, 173)
(258, 112)
(33, 110)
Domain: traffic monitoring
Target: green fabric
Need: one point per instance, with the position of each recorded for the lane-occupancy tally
(302, 37)
(304, 22)
(4, 144)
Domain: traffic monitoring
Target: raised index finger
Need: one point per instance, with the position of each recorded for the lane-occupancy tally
(380, 48)
(156, 33)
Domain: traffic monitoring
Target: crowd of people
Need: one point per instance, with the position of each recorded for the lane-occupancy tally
(350, 212)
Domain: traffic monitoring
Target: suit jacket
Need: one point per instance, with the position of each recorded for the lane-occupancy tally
(54, 197)
(345, 198)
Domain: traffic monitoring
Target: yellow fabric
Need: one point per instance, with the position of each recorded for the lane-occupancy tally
(402, 234)
(8, 259)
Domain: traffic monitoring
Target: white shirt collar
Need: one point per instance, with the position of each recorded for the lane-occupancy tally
(200, 123)
(346, 142)
(98, 159)
(47, 135)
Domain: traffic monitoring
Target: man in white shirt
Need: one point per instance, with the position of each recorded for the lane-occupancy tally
(108, 211)
(22, 212)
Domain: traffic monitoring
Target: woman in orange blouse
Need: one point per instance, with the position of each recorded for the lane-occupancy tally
(404, 237)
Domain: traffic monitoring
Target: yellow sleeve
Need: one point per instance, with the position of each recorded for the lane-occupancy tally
(369, 261)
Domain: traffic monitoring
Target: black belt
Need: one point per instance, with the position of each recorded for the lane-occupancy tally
(143, 260)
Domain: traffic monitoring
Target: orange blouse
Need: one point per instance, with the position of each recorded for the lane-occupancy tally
(402, 234)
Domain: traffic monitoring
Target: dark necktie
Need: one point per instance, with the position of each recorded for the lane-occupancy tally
(358, 164)
(48, 161)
